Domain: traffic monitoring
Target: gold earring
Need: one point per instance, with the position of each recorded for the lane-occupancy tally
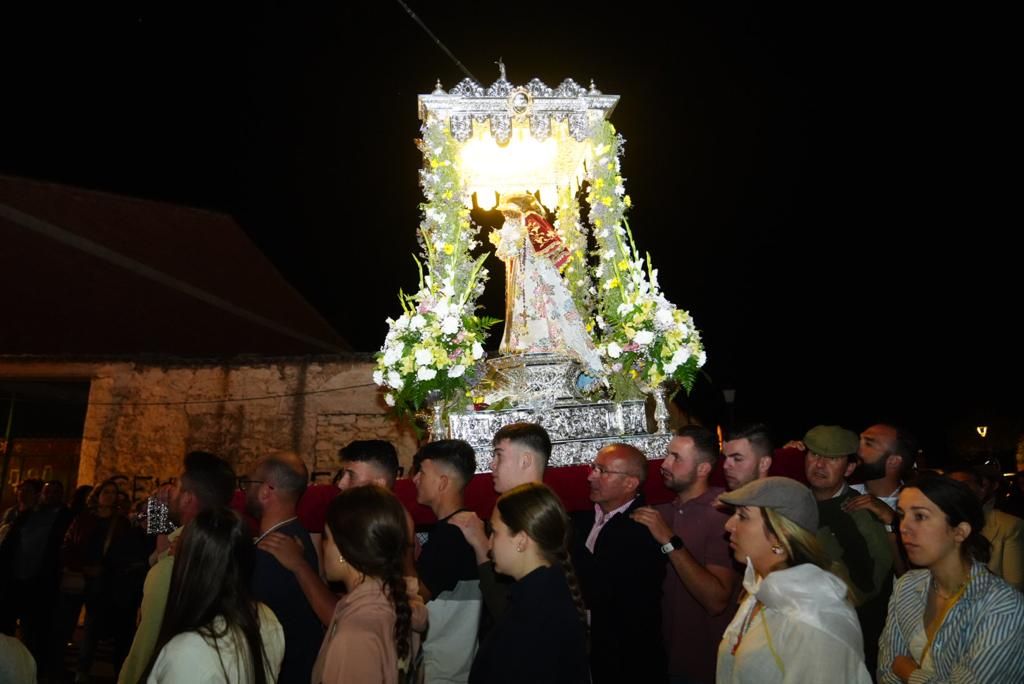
(341, 559)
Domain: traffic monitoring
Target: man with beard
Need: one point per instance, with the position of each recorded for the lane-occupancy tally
(272, 498)
(699, 593)
(208, 482)
(748, 455)
(885, 457)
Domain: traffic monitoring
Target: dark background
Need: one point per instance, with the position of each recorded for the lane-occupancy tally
(802, 176)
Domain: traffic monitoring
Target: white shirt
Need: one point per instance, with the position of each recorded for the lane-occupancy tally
(889, 501)
(806, 631)
(189, 658)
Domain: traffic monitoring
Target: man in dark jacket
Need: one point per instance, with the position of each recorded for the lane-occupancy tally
(621, 569)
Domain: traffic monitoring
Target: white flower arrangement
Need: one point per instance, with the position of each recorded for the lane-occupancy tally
(436, 344)
(645, 339)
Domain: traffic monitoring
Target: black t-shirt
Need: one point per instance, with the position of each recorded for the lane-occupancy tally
(276, 586)
(446, 558)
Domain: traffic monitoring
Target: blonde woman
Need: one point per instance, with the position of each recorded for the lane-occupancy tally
(795, 622)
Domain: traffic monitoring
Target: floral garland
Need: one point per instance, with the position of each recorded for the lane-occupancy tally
(644, 338)
(573, 233)
(434, 348)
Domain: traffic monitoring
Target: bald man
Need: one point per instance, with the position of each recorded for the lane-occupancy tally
(621, 568)
(272, 497)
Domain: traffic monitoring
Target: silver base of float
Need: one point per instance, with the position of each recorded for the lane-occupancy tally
(545, 389)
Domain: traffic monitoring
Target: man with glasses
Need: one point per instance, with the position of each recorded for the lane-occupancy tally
(620, 567)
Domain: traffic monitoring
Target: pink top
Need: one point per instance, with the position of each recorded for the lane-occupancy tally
(360, 643)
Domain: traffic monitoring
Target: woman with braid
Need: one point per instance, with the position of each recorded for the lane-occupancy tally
(370, 639)
(542, 635)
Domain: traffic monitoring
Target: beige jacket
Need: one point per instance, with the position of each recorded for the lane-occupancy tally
(1006, 533)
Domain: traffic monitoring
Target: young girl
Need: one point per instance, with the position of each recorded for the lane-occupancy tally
(370, 639)
(542, 635)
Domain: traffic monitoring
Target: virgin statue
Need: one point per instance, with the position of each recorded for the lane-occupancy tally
(540, 314)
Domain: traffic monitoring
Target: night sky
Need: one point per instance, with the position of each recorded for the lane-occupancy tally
(801, 176)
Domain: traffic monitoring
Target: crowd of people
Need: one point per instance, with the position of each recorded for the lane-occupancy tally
(860, 569)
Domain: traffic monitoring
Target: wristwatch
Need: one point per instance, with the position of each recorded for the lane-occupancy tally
(672, 544)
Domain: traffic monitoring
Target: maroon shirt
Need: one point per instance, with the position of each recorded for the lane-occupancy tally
(691, 635)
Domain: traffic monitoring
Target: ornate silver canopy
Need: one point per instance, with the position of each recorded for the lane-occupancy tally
(502, 103)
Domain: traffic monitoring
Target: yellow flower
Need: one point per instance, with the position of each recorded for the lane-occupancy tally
(628, 202)
(633, 373)
(622, 265)
(609, 166)
(606, 201)
(598, 183)
(449, 250)
(433, 163)
(614, 282)
(597, 223)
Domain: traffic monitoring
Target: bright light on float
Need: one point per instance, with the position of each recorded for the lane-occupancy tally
(486, 198)
(523, 165)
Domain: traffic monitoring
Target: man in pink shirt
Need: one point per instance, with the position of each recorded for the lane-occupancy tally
(620, 568)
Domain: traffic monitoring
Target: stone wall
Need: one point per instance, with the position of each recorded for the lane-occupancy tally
(142, 418)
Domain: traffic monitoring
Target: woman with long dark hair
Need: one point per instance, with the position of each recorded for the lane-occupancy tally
(370, 638)
(213, 631)
(795, 621)
(542, 635)
(952, 619)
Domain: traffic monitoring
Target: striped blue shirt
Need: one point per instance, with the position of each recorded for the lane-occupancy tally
(981, 639)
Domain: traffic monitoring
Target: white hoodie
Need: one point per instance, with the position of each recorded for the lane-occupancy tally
(806, 631)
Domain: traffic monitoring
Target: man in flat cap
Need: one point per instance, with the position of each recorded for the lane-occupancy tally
(856, 538)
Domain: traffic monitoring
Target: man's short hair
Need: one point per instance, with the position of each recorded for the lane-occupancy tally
(759, 436)
(379, 452)
(284, 477)
(454, 453)
(209, 478)
(529, 435)
(904, 445)
(704, 441)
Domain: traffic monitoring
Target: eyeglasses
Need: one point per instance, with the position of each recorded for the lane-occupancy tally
(602, 471)
(243, 483)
